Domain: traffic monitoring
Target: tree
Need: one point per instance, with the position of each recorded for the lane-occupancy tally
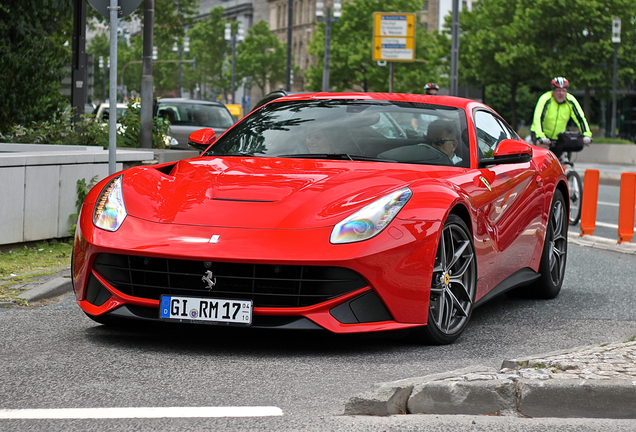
(208, 45)
(495, 50)
(172, 18)
(575, 37)
(32, 59)
(351, 65)
(261, 56)
(517, 43)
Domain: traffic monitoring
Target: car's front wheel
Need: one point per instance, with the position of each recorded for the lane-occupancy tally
(453, 286)
(555, 251)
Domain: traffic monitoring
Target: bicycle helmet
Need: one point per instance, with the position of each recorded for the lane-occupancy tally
(431, 86)
(560, 82)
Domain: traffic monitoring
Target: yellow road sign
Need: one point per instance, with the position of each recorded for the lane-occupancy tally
(394, 36)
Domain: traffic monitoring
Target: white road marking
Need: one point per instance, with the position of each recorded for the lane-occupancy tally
(140, 412)
(608, 203)
(607, 225)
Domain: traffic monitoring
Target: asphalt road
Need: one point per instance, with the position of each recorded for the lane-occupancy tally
(54, 357)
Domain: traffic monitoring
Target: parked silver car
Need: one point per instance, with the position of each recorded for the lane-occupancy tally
(188, 115)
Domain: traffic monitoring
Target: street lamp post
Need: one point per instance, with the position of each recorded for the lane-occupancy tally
(616, 39)
(181, 49)
(324, 14)
(234, 37)
(454, 91)
(105, 77)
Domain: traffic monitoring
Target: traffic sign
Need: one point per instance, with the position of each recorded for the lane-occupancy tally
(126, 7)
(394, 36)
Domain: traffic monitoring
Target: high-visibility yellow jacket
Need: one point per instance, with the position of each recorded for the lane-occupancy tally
(551, 118)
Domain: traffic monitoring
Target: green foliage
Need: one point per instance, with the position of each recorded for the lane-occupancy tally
(208, 45)
(82, 191)
(262, 56)
(128, 134)
(32, 59)
(351, 65)
(87, 131)
(514, 44)
(59, 130)
(498, 98)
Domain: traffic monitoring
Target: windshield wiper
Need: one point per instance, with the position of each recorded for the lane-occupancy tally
(336, 156)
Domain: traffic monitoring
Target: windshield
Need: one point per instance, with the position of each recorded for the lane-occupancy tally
(193, 114)
(352, 130)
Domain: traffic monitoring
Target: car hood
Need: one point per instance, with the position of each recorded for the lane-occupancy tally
(274, 193)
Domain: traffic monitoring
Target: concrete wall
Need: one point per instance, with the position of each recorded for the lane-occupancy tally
(624, 154)
(39, 186)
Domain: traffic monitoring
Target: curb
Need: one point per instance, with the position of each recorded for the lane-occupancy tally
(602, 243)
(52, 288)
(483, 395)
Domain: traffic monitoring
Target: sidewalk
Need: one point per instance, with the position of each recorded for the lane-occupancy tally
(590, 382)
(609, 174)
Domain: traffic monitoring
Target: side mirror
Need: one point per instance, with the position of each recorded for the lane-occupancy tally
(202, 139)
(509, 151)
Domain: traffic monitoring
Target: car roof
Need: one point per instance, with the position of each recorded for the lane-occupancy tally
(396, 97)
(163, 101)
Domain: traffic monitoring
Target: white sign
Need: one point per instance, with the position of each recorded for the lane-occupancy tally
(393, 25)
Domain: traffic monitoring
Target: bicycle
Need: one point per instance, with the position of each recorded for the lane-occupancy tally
(568, 143)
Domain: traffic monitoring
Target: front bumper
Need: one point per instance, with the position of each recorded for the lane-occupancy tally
(395, 267)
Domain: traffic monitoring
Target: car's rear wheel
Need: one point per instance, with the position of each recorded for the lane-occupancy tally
(555, 251)
(453, 286)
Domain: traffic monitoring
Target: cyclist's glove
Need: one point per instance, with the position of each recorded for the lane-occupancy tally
(587, 140)
(545, 141)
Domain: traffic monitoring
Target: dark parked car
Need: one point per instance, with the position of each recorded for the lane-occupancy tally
(188, 115)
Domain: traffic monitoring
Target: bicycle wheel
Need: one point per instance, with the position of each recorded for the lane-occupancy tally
(576, 195)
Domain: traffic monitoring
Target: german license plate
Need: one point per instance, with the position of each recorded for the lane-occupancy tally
(206, 310)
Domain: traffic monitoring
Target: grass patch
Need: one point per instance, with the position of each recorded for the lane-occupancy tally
(602, 140)
(43, 257)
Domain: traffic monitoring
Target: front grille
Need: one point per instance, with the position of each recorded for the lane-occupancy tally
(266, 285)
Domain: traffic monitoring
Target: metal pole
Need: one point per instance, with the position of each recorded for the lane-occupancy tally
(112, 115)
(104, 84)
(146, 114)
(454, 49)
(78, 81)
(391, 75)
(325, 69)
(613, 135)
(290, 23)
(233, 84)
(180, 69)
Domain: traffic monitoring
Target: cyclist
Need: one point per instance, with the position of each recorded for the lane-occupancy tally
(431, 89)
(552, 113)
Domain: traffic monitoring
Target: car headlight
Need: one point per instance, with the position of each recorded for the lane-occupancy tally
(372, 219)
(169, 141)
(110, 211)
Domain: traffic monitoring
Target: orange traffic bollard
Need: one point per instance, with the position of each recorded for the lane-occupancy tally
(590, 199)
(626, 207)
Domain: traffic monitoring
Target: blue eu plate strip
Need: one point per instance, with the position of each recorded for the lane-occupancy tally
(165, 307)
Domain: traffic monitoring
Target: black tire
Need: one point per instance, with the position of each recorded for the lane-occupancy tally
(576, 196)
(453, 286)
(555, 251)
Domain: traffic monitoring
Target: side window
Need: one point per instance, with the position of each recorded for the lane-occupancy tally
(490, 133)
(388, 128)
